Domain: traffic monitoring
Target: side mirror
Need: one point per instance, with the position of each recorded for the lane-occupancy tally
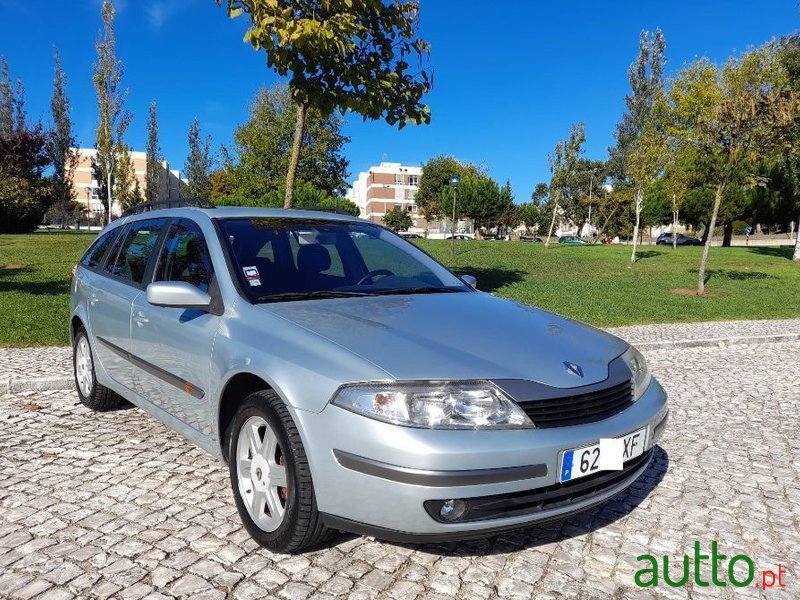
(178, 294)
(470, 281)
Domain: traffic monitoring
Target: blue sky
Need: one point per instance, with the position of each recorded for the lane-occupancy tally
(510, 76)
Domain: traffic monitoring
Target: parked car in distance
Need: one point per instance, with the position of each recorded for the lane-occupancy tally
(461, 236)
(572, 239)
(327, 361)
(409, 235)
(665, 239)
(530, 238)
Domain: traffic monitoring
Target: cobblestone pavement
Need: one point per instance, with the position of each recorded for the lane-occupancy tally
(114, 504)
(22, 369)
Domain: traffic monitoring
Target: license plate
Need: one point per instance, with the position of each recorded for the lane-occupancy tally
(580, 462)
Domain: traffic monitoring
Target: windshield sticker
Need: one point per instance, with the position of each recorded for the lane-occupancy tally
(252, 276)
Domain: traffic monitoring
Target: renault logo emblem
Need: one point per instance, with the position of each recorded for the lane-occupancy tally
(573, 368)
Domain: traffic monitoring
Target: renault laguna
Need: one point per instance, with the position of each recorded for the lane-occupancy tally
(350, 381)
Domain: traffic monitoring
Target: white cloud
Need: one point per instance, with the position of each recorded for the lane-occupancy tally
(160, 11)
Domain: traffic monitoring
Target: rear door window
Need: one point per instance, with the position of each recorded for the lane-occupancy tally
(135, 250)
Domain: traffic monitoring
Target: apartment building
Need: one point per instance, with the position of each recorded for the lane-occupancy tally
(87, 188)
(386, 187)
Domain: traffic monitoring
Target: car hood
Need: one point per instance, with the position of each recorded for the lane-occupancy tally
(458, 336)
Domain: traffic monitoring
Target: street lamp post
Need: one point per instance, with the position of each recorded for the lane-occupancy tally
(454, 181)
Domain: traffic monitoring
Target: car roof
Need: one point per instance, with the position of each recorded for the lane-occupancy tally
(238, 212)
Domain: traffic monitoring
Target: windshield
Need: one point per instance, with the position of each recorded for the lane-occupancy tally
(280, 259)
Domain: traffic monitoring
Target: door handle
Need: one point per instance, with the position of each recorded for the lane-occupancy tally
(141, 319)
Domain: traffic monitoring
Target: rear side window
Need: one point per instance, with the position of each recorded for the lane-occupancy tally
(94, 255)
(185, 256)
(135, 250)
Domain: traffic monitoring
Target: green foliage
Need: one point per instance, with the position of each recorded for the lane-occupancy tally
(154, 177)
(198, 165)
(646, 79)
(530, 214)
(259, 160)
(564, 169)
(481, 199)
(345, 55)
(397, 219)
(127, 190)
(62, 144)
(113, 119)
(306, 195)
(734, 117)
(350, 55)
(435, 196)
(25, 193)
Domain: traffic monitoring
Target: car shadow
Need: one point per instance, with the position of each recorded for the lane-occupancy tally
(556, 530)
(492, 279)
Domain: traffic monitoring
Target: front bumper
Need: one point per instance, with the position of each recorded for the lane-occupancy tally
(372, 477)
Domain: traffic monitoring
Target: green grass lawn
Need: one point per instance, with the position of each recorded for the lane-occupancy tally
(590, 283)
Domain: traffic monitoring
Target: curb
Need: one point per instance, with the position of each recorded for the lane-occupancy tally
(41, 384)
(722, 342)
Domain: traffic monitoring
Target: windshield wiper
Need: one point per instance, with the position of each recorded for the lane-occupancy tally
(317, 295)
(418, 290)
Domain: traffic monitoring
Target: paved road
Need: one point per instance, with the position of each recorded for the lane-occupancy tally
(101, 505)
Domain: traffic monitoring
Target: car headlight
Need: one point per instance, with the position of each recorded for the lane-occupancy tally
(639, 369)
(434, 405)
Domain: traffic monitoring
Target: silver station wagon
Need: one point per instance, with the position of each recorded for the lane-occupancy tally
(350, 381)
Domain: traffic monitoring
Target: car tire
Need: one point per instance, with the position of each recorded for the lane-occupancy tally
(282, 519)
(90, 392)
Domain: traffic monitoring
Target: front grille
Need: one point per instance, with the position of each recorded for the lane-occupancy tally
(582, 408)
(551, 497)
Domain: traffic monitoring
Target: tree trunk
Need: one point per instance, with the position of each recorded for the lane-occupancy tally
(108, 193)
(701, 278)
(674, 223)
(797, 242)
(295, 157)
(602, 230)
(639, 195)
(552, 224)
(727, 235)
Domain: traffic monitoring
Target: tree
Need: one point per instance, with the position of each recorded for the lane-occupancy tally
(154, 169)
(126, 186)
(733, 117)
(25, 192)
(8, 121)
(350, 55)
(62, 143)
(563, 164)
(259, 160)
(678, 180)
(646, 76)
(113, 119)
(789, 55)
(198, 164)
(644, 163)
(397, 219)
(435, 196)
(529, 215)
(220, 184)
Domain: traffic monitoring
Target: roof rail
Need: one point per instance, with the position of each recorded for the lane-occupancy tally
(328, 209)
(162, 204)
